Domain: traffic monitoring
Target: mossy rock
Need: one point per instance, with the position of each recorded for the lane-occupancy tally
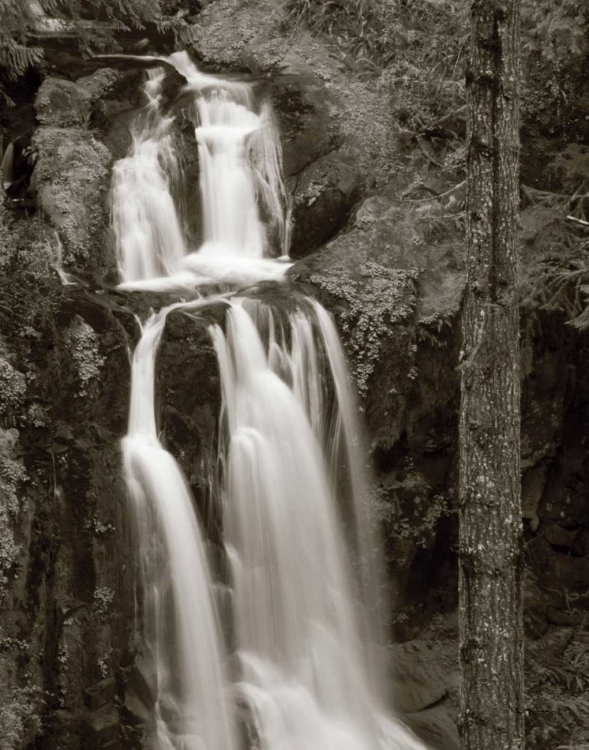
(71, 180)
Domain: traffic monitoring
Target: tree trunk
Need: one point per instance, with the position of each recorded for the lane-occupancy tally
(491, 629)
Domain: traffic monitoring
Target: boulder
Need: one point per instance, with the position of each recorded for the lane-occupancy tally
(99, 83)
(418, 679)
(322, 198)
(387, 273)
(62, 104)
(305, 111)
(71, 180)
(435, 727)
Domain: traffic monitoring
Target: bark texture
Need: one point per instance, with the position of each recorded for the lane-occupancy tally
(491, 630)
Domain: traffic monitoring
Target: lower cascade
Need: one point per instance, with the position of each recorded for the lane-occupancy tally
(301, 669)
(181, 629)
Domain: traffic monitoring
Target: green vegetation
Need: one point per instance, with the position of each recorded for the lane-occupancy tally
(17, 714)
(420, 47)
(23, 20)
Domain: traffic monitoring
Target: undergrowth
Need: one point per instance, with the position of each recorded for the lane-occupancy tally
(561, 284)
(420, 48)
(420, 45)
(558, 685)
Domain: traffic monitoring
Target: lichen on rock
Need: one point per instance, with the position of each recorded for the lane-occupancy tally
(12, 475)
(12, 390)
(84, 347)
(375, 299)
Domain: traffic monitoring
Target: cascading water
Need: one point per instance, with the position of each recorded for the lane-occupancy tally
(240, 174)
(302, 551)
(149, 239)
(305, 671)
(191, 702)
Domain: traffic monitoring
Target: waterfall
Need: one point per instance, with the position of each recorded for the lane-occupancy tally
(305, 669)
(240, 179)
(306, 588)
(192, 708)
(148, 235)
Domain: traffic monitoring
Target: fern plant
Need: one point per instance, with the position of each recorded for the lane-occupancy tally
(16, 20)
(20, 18)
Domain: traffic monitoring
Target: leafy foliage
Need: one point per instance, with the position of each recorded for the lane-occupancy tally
(19, 19)
(16, 19)
(362, 28)
(556, 30)
(557, 696)
(561, 283)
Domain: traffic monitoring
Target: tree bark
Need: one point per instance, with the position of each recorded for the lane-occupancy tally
(490, 563)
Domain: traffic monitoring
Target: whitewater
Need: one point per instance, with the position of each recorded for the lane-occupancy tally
(304, 668)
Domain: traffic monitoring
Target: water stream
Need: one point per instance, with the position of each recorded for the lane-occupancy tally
(192, 704)
(306, 589)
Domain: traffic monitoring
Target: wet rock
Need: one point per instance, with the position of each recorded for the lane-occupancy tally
(435, 727)
(142, 684)
(322, 198)
(558, 537)
(305, 110)
(581, 543)
(101, 730)
(189, 413)
(417, 677)
(102, 694)
(381, 277)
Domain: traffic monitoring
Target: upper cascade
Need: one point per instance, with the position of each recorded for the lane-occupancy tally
(240, 180)
(148, 235)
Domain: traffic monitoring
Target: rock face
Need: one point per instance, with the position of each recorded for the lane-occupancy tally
(72, 172)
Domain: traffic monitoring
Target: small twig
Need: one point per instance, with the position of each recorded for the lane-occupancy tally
(582, 222)
(436, 196)
(445, 117)
(430, 158)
